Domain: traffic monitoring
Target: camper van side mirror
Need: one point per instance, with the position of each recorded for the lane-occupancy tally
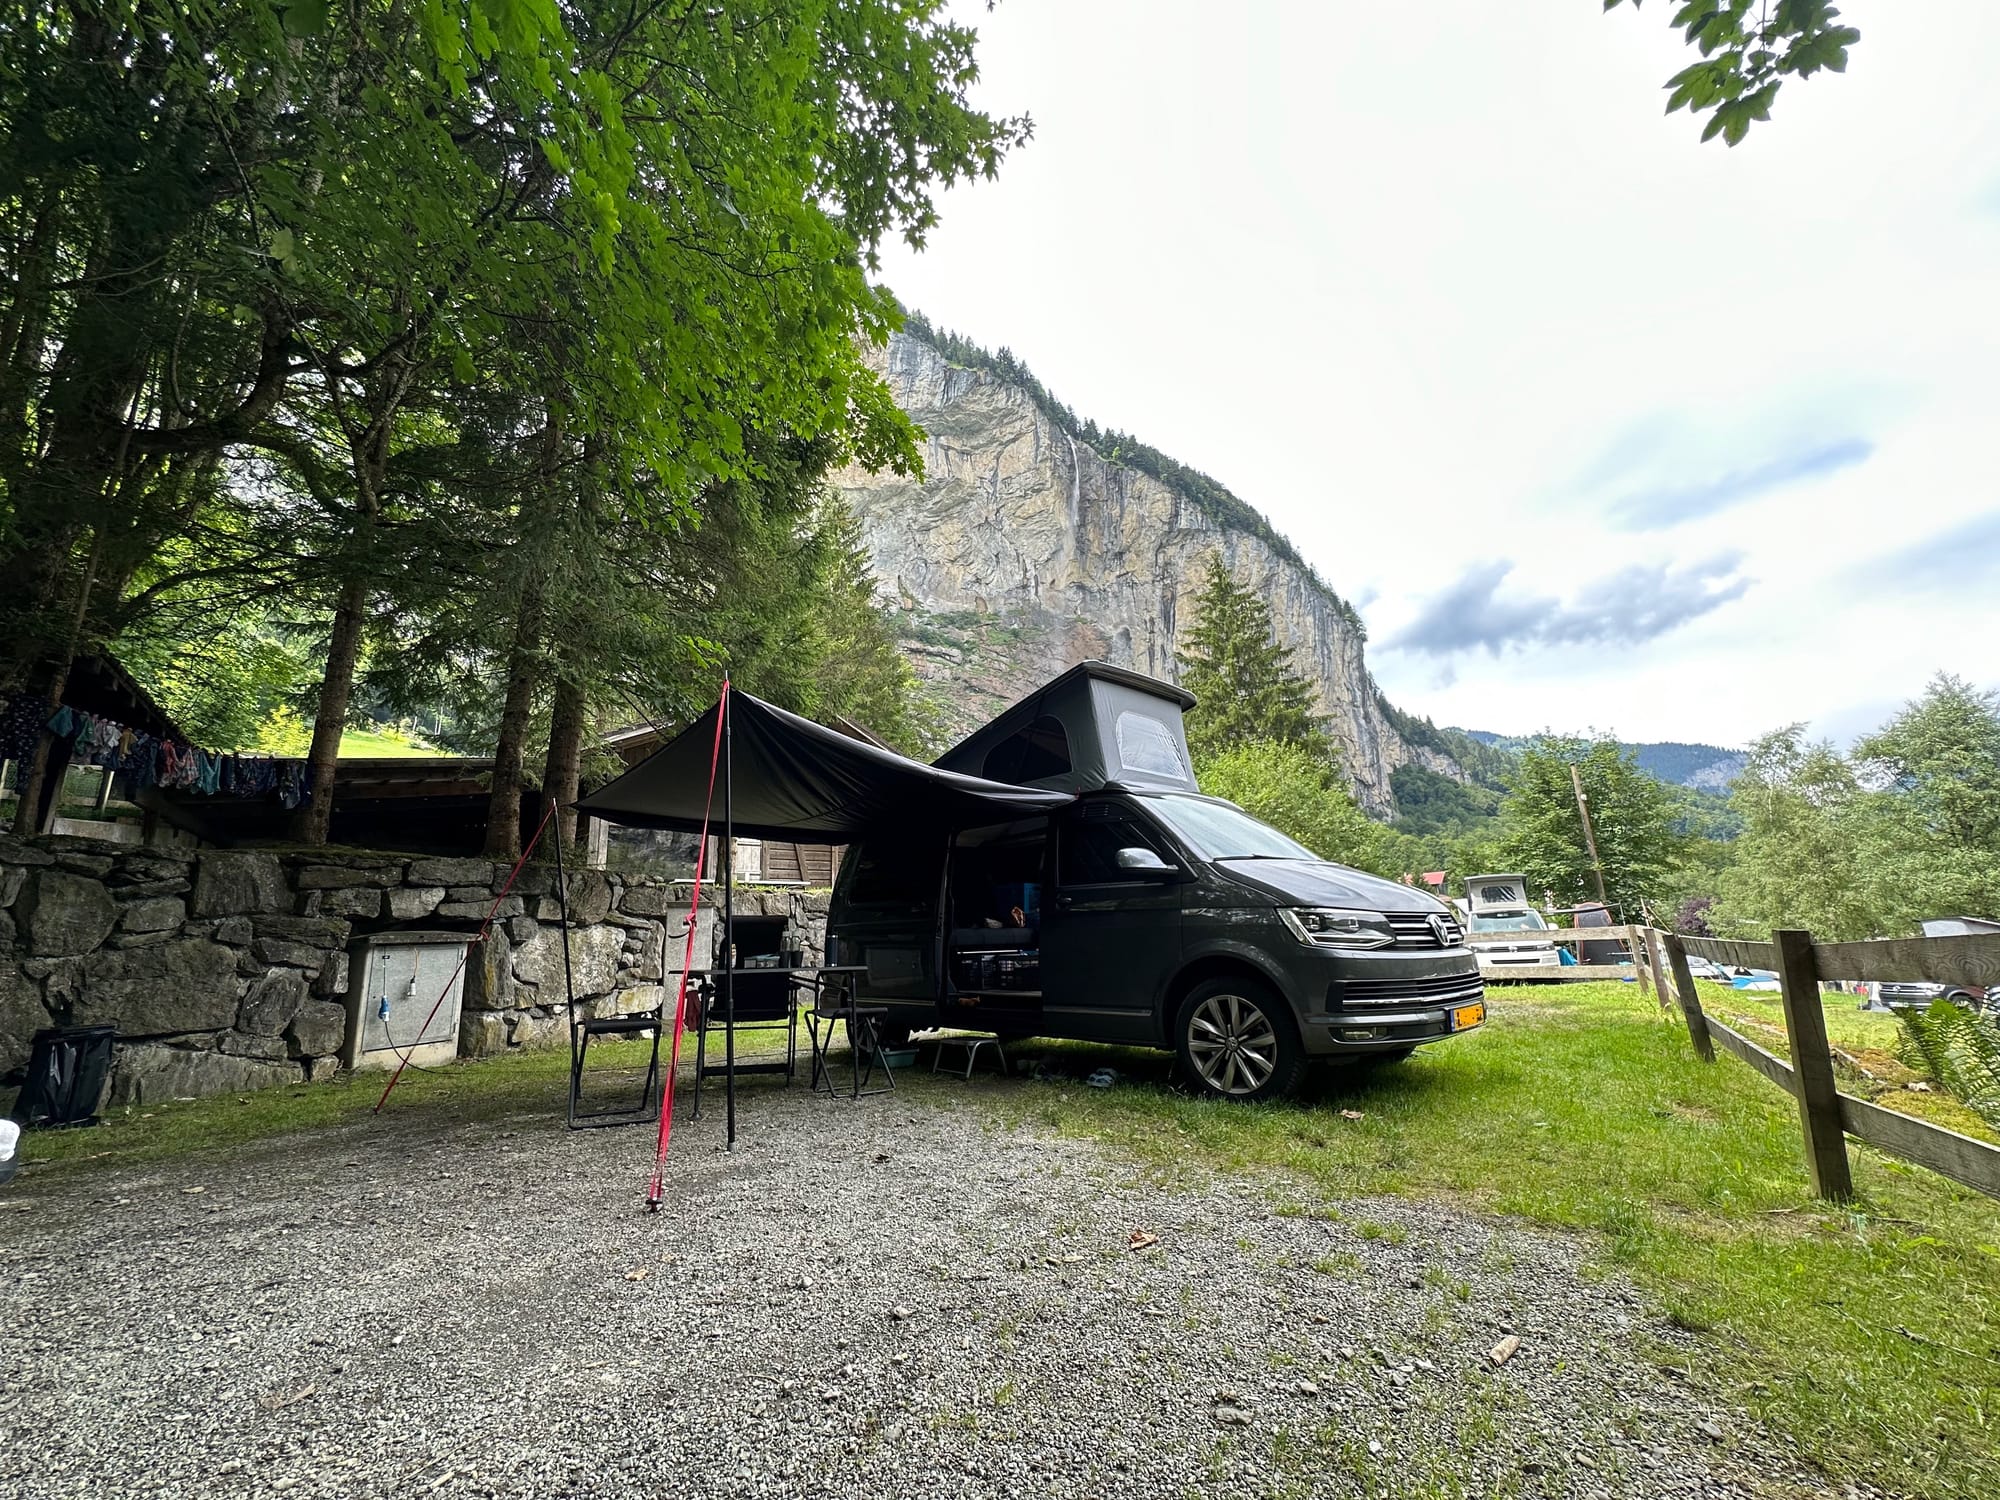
(1144, 864)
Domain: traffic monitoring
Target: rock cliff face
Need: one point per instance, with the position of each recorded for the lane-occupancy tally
(1024, 551)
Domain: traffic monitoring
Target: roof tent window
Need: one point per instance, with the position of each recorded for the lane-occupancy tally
(1039, 750)
(1147, 746)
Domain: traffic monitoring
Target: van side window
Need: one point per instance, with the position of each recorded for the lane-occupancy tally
(880, 874)
(1088, 853)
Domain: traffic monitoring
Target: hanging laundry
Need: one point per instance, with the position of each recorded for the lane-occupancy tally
(21, 725)
(143, 765)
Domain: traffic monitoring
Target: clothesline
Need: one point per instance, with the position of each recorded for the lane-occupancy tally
(151, 760)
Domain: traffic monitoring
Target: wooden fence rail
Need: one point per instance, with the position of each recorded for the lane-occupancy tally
(1827, 1116)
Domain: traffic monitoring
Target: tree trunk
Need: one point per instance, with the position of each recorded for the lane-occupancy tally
(343, 656)
(503, 812)
(565, 761)
(35, 772)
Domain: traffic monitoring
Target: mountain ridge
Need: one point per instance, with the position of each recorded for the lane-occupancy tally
(1705, 768)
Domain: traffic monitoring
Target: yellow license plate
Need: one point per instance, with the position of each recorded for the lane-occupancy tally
(1467, 1015)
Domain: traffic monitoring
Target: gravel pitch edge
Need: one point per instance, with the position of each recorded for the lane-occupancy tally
(865, 1298)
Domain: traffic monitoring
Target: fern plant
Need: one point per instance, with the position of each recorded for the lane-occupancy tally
(1960, 1051)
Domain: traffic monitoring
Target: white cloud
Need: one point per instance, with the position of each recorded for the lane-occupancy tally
(1439, 288)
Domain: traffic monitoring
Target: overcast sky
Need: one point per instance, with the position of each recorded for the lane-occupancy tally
(1598, 426)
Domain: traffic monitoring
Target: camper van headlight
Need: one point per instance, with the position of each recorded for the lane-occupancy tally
(1333, 927)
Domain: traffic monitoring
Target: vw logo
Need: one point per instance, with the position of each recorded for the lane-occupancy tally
(1441, 929)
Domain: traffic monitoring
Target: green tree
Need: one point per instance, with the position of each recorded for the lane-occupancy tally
(1865, 846)
(1933, 842)
(1630, 816)
(1429, 802)
(1749, 48)
(1798, 858)
(1245, 686)
(642, 235)
(1298, 792)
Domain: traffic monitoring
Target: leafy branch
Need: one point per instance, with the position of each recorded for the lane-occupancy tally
(1749, 48)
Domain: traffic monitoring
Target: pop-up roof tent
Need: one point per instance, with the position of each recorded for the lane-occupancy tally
(1095, 726)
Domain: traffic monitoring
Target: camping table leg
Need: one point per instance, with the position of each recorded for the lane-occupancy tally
(822, 1078)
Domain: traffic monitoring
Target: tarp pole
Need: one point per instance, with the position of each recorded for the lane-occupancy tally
(728, 916)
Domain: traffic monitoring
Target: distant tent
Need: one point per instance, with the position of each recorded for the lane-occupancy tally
(1095, 726)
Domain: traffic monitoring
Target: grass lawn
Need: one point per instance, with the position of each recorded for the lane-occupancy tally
(1869, 1069)
(367, 743)
(1869, 1334)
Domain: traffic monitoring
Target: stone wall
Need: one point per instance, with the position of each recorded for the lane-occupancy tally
(229, 969)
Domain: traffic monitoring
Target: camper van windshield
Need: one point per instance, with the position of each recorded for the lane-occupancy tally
(1507, 921)
(1220, 831)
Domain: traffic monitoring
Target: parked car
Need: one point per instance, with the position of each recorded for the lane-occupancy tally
(1499, 903)
(1496, 958)
(1916, 994)
(1144, 913)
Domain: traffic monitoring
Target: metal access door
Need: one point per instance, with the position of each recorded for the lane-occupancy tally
(405, 1001)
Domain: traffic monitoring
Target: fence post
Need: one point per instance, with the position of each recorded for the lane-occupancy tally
(1690, 997)
(1634, 946)
(1659, 977)
(1812, 1065)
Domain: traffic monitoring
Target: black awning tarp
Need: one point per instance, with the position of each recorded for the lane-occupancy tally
(798, 780)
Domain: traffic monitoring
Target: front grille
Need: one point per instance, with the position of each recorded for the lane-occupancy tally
(1436, 989)
(1413, 930)
(1908, 990)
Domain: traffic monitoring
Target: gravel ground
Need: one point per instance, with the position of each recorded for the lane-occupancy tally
(892, 1296)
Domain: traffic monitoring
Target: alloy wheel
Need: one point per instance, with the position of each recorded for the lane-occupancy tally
(1232, 1044)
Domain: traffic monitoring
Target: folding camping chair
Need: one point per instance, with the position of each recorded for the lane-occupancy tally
(584, 1026)
(634, 1023)
(836, 1005)
(765, 996)
(765, 1001)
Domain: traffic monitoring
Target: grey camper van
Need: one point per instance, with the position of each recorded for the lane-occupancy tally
(1143, 912)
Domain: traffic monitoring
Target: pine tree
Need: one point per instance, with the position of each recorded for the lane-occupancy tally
(1245, 685)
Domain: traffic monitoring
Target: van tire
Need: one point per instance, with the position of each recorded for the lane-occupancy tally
(1267, 1060)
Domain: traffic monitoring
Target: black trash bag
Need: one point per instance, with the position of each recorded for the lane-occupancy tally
(67, 1068)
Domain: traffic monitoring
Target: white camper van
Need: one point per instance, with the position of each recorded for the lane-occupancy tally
(1499, 903)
